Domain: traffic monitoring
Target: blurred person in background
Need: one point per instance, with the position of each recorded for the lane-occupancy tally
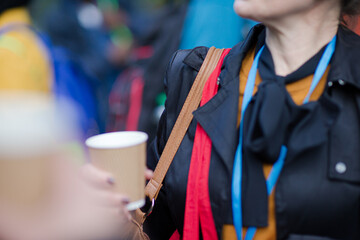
(93, 37)
(137, 98)
(205, 21)
(164, 39)
(82, 205)
(160, 28)
(44, 68)
(25, 64)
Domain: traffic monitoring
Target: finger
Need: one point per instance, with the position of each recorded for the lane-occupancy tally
(116, 213)
(148, 174)
(125, 213)
(107, 198)
(121, 217)
(104, 222)
(97, 177)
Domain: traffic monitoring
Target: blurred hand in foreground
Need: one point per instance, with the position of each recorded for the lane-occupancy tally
(85, 207)
(82, 207)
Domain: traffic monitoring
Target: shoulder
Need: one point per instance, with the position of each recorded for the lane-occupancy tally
(345, 63)
(181, 73)
(187, 60)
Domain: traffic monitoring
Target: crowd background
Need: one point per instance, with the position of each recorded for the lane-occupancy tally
(120, 49)
(110, 57)
(107, 58)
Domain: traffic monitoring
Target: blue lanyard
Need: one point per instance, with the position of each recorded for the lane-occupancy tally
(276, 170)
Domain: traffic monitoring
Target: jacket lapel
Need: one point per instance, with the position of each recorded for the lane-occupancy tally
(218, 119)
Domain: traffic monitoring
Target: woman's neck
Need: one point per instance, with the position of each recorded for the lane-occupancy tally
(294, 40)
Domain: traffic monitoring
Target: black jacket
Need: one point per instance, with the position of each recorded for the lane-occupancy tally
(318, 192)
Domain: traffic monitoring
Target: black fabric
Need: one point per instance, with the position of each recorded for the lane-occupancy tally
(272, 120)
(312, 198)
(306, 237)
(269, 123)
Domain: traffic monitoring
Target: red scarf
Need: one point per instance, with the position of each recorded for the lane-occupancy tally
(198, 207)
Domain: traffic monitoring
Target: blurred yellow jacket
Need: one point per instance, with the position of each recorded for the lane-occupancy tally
(24, 62)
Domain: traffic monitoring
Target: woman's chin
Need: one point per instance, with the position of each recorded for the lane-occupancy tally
(244, 10)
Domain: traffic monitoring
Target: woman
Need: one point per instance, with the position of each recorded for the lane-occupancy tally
(309, 136)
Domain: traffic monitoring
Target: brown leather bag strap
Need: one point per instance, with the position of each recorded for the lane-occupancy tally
(183, 121)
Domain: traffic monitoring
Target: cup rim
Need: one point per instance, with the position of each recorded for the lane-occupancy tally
(113, 140)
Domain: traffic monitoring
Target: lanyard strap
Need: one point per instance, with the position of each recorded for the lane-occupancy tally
(276, 170)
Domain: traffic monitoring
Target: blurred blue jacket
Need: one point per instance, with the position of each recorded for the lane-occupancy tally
(213, 23)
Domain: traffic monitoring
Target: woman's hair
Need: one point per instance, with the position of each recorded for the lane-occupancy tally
(350, 7)
(7, 4)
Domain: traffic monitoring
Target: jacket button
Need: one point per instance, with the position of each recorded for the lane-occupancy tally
(341, 82)
(340, 167)
(330, 84)
(218, 81)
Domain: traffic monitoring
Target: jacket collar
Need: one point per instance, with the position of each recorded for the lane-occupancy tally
(232, 61)
(196, 57)
(347, 53)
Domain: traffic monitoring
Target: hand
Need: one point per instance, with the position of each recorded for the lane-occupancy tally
(149, 174)
(82, 207)
(86, 208)
(91, 210)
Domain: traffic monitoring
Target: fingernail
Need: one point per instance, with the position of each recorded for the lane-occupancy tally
(111, 181)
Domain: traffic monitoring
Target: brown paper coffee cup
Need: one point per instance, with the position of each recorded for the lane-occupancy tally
(123, 154)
